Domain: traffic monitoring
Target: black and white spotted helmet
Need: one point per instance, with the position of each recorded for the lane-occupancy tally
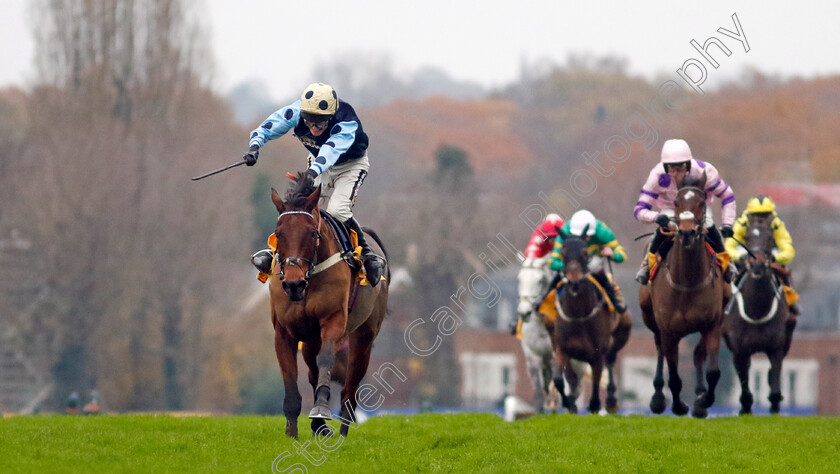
(318, 99)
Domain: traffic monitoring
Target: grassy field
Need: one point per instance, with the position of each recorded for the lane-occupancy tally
(422, 443)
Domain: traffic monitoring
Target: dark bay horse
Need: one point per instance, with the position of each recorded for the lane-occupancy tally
(535, 331)
(585, 328)
(758, 318)
(310, 288)
(687, 295)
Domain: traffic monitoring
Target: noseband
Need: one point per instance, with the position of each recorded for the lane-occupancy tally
(686, 215)
(296, 261)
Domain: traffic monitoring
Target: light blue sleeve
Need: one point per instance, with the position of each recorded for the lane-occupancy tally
(342, 136)
(276, 125)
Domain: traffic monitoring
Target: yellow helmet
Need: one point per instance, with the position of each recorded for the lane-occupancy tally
(760, 204)
(318, 99)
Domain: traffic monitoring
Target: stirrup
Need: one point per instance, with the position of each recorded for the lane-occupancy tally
(262, 260)
(730, 274)
(643, 276)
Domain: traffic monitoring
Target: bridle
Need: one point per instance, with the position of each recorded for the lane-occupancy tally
(296, 261)
(698, 221)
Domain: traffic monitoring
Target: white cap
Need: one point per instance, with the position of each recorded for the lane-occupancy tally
(580, 220)
(675, 151)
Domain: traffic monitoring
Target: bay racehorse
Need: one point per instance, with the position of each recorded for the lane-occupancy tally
(586, 328)
(757, 318)
(685, 295)
(533, 280)
(310, 289)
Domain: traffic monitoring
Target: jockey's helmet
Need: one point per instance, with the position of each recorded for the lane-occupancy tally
(582, 220)
(676, 151)
(318, 103)
(760, 204)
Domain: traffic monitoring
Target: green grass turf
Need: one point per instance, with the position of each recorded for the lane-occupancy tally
(423, 443)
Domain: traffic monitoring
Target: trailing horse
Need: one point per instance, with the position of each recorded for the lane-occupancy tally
(535, 334)
(686, 294)
(311, 288)
(757, 318)
(587, 328)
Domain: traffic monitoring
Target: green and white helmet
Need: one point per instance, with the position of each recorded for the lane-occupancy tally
(581, 221)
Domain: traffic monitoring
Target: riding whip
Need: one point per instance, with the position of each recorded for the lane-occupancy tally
(238, 163)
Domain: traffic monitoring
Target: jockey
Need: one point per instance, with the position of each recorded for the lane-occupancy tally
(602, 242)
(331, 131)
(542, 239)
(660, 189)
(539, 246)
(764, 207)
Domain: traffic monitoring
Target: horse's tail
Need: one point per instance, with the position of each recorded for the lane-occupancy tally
(376, 238)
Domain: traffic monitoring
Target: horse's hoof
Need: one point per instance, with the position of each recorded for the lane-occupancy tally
(572, 409)
(594, 408)
(774, 410)
(324, 431)
(612, 405)
(745, 411)
(700, 410)
(657, 403)
(679, 408)
(291, 430)
(316, 425)
(320, 412)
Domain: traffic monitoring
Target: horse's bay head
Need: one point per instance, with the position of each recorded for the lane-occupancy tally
(298, 236)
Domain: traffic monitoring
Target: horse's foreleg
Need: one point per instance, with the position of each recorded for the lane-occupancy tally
(595, 400)
(286, 350)
(310, 353)
(699, 362)
(742, 367)
(707, 399)
(361, 343)
(534, 365)
(657, 401)
(562, 363)
(331, 331)
(573, 373)
(774, 379)
(619, 339)
(670, 348)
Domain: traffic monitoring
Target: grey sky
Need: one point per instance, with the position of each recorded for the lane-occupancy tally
(279, 42)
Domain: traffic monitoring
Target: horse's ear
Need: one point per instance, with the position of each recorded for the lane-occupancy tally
(312, 200)
(702, 180)
(278, 201)
(560, 232)
(583, 234)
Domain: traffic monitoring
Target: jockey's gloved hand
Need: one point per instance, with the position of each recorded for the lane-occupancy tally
(252, 155)
(726, 231)
(311, 173)
(662, 220)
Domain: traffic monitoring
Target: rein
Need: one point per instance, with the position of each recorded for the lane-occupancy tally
(687, 289)
(559, 306)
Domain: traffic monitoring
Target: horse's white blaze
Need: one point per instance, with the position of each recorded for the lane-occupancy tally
(688, 195)
(686, 215)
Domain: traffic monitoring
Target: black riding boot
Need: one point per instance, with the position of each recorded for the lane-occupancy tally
(716, 241)
(374, 264)
(644, 273)
(619, 306)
